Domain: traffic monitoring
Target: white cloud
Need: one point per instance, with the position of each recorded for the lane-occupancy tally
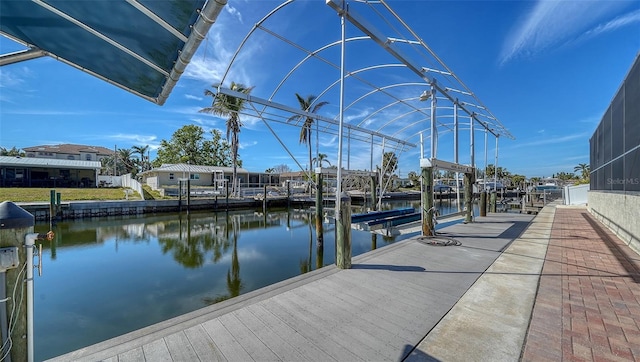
(234, 12)
(244, 145)
(217, 50)
(191, 96)
(551, 23)
(552, 140)
(626, 19)
(137, 138)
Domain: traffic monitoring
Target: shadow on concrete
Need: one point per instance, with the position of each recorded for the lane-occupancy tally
(411, 354)
(403, 268)
(622, 254)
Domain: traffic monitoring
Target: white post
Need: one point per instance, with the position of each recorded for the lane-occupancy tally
(495, 172)
(472, 142)
(486, 158)
(455, 150)
(433, 121)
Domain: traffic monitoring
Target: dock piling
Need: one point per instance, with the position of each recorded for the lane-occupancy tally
(483, 203)
(343, 232)
(319, 212)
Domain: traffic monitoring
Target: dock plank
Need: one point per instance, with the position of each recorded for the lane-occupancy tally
(203, 345)
(229, 346)
(361, 342)
(180, 348)
(243, 333)
(134, 355)
(304, 346)
(320, 335)
(156, 351)
(280, 347)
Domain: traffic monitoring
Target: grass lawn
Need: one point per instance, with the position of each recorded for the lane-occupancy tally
(23, 194)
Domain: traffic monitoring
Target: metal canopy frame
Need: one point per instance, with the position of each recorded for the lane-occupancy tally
(141, 46)
(397, 118)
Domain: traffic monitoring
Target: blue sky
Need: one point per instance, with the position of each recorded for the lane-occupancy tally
(547, 69)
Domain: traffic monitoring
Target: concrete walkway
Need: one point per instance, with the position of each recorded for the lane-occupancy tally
(588, 303)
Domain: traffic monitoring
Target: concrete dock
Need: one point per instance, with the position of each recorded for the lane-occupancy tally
(518, 287)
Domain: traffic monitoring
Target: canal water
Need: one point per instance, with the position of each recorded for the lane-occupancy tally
(103, 277)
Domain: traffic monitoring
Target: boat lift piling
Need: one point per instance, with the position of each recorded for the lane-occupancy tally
(319, 212)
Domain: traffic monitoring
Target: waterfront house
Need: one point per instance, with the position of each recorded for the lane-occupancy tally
(168, 175)
(47, 172)
(69, 152)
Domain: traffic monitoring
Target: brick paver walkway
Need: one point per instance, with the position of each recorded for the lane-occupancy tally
(588, 302)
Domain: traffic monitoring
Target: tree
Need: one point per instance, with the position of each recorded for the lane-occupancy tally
(414, 178)
(322, 157)
(306, 104)
(279, 169)
(584, 170)
(143, 162)
(229, 106)
(389, 166)
(490, 170)
(124, 157)
(189, 145)
(517, 180)
(12, 152)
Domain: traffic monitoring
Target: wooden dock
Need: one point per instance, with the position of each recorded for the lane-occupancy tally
(381, 309)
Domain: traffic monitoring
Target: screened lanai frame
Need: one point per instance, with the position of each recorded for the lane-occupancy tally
(454, 108)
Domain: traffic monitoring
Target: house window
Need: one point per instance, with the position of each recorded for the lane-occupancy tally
(194, 176)
(70, 157)
(170, 176)
(88, 157)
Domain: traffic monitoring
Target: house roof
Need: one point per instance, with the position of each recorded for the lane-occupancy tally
(48, 163)
(68, 148)
(183, 167)
(142, 46)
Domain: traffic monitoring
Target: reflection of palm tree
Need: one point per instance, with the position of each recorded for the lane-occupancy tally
(305, 265)
(234, 283)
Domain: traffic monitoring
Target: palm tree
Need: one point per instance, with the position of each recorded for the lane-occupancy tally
(229, 106)
(305, 132)
(141, 150)
(322, 157)
(584, 170)
(124, 155)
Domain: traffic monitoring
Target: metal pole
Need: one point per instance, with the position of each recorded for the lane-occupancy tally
(456, 127)
(495, 172)
(486, 158)
(349, 149)
(371, 157)
(472, 145)
(30, 244)
(380, 177)
(433, 121)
